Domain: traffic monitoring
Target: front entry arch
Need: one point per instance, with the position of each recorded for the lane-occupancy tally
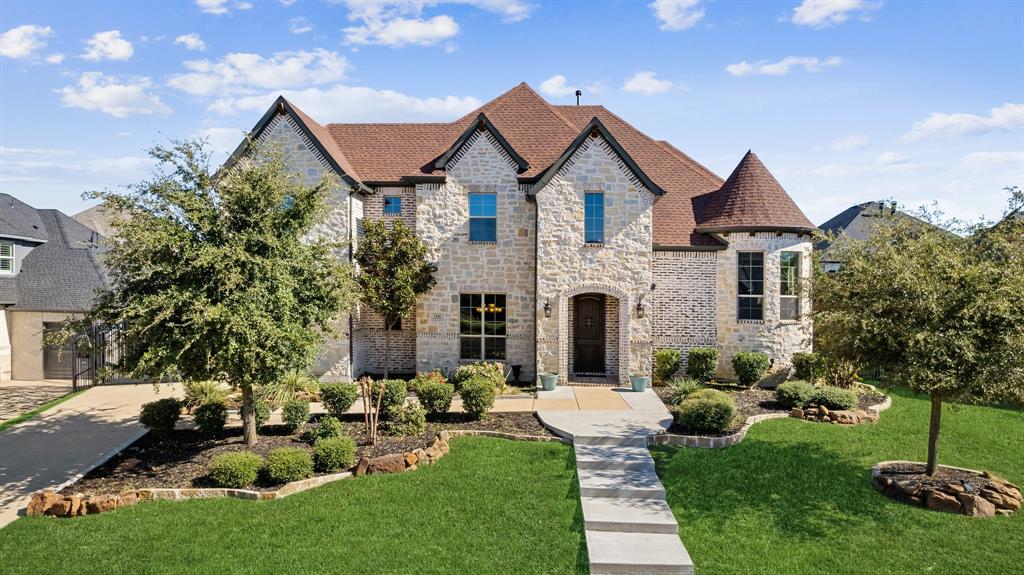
(616, 316)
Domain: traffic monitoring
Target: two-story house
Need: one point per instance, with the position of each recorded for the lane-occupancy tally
(565, 239)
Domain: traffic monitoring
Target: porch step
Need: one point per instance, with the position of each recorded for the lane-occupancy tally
(633, 484)
(637, 554)
(612, 457)
(628, 515)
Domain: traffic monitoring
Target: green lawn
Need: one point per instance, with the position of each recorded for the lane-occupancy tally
(489, 506)
(795, 497)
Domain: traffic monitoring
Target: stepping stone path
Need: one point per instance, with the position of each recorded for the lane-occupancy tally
(629, 527)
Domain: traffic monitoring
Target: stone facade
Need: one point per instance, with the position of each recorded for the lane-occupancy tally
(684, 304)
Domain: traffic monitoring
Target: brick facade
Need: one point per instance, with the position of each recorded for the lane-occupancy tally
(684, 303)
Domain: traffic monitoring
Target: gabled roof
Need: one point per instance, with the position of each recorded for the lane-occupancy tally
(595, 129)
(751, 199)
(856, 221)
(481, 124)
(19, 220)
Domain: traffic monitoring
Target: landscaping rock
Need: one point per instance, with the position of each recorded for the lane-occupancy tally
(60, 508)
(797, 413)
(393, 463)
(1001, 499)
(127, 499)
(41, 501)
(410, 459)
(101, 503)
(940, 501)
(362, 466)
(976, 506)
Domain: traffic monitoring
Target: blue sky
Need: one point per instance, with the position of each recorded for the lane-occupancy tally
(845, 101)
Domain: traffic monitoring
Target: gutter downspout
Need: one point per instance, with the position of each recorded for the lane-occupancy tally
(536, 271)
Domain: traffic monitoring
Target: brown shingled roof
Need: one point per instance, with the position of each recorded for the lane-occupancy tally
(751, 198)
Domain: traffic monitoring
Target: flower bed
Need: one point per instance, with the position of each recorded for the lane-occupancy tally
(951, 489)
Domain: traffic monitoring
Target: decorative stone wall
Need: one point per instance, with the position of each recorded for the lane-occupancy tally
(566, 266)
(683, 304)
(780, 339)
(505, 266)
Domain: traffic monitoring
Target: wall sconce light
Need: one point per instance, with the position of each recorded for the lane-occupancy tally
(547, 308)
(640, 306)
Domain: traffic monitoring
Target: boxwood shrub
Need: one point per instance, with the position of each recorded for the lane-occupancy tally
(750, 366)
(409, 420)
(287, 464)
(328, 426)
(211, 416)
(295, 414)
(334, 454)
(477, 395)
(808, 366)
(704, 412)
(424, 377)
(235, 470)
(834, 398)
(702, 363)
(794, 393)
(338, 397)
(666, 363)
(435, 397)
(394, 397)
(160, 416)
(262, 409)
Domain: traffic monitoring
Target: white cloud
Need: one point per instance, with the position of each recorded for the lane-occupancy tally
(191, 42)
(398, 23)
(822, 13)
(111, 95)
(287, 3)
(398, 32)
(221, 140)
(646, 83)
(243, 5)
(238, 73)
(55, 58)
(355, 104)
(108, 45)
(212, 6)
(938, 125)
(984, 161)
(24, 41)
(677, 14)
(299, 25)
(874, 170)
(890, 158)
(783, 66)
(557, 87)
(849, 143)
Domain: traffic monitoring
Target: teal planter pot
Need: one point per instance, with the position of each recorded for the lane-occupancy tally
(640, 382)
(548, 381)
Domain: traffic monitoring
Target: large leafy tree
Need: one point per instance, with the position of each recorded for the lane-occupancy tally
(940, 312)
(216, 275)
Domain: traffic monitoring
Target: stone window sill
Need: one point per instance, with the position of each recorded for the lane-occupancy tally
(750, 321)
(482, 243)
(593, 244)
(789, 321)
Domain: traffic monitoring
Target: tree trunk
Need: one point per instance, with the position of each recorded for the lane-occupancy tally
(248, 415)
(387, 344)
(933, 435)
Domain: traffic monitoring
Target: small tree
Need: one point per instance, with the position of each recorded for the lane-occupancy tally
(211, 277)
(939, 311)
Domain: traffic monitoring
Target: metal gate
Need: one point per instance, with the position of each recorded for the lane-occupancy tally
(58, 360)
(96, 353)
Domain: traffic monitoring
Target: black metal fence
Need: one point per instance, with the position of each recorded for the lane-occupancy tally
(96, 354)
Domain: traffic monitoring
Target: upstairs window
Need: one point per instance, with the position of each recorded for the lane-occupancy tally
(392, 205)
(751, 285)
(789, 285)
(483, 217)
(593, 218)
(6, 257)
(482, 327)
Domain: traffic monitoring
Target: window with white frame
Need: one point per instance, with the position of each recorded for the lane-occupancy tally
(593, 218)
(483, 217)
(6, 257)
(392, 205)
(789, 285)
(750, 289)
(482, 327)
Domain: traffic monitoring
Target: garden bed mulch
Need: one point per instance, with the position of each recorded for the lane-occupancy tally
(950, 489)
(182, 459)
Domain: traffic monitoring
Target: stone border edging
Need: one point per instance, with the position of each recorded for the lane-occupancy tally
(504, 435)
(999, 497)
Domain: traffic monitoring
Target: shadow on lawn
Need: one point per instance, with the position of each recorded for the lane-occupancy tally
(803, 489)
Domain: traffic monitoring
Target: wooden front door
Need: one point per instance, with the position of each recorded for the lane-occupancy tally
(588, 334)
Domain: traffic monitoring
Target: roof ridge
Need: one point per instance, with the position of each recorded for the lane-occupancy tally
(344, 162)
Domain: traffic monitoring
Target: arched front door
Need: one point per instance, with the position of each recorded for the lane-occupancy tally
(589, 334)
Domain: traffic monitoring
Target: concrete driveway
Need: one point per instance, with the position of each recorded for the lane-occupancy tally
(58, 446)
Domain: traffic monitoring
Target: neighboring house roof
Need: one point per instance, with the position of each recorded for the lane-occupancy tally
(537, 134)
(61, 274)
(98, 219)
(750, 199)
(856, 221)
(20, 220)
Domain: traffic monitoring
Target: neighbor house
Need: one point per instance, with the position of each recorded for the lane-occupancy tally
(856, 222)
(566, 241)
(49, 271)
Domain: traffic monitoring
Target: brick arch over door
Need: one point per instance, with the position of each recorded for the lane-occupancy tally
(625, 305)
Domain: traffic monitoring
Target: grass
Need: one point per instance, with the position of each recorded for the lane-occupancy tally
(795, 496)
(34, 412)
(490, 506)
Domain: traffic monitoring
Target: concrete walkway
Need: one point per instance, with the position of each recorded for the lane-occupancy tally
(59, 445)
(629, 526)
(19, 396)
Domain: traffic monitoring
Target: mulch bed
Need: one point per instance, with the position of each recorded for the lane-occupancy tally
(943, 476)
(181, 460)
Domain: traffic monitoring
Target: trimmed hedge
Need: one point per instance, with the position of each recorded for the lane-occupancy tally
(681, 388)
(338, 397)
(794, 393)
(808, 366)
(327, 427)
(666, 363)
(287, 464)
(702, 363)
(409, 420)
(834, 397)
(750, 366)
(160, 416)
(333, 454)
(211, 417)
(424, 377)
(295, 414)
(435, 397)
(394, 397)
(235, 470)
(477, 397)
(705, 412)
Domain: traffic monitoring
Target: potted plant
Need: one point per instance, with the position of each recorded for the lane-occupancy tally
(639, 382)
(548, 381)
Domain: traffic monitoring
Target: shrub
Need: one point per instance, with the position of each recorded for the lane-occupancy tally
(333, 454)
(210, 417)
(199, 392)
(327, 427)
(834, 397)
(750, 366)
(489, 371)
(262, 412)
(808, 366)
(702, 363)
(708, 393)
(338, 397)
(794, 393)
(292, 385)
(680, 388)
(425, 377)
(287, 464)
(666, 363)
(707, 413)
(839, 373)
(435, 397)
(394, 397)
(409, 420)
(160, 416)
(294, 414)
(477, 397)
(235, 469)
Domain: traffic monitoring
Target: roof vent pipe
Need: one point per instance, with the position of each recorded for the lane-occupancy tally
(578, 94)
